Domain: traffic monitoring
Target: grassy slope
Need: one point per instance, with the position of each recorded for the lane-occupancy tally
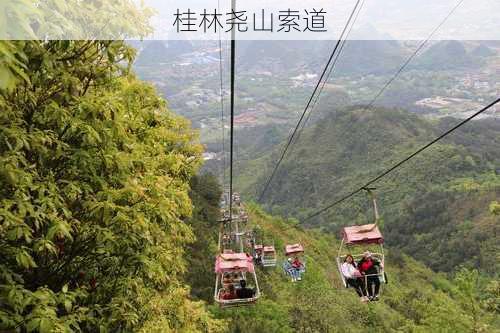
(416, 300)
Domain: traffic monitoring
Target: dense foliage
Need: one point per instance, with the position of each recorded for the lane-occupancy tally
(415, 300)
(436, 207)
(94, 180)
(205, 194)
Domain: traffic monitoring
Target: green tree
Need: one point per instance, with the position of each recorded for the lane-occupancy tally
(495, 208)
(469, 292)
(94, 179)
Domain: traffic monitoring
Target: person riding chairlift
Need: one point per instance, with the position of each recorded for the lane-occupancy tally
(297, 264)
(353, 277)
(243, 291)
(294, 268)
(227, 279)
(368, 266)
(258, 257)
(229, 293)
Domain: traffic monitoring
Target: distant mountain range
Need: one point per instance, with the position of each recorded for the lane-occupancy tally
(446, 55)
(152, 53)
(359, 57)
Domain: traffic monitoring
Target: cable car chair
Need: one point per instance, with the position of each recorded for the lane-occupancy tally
(266, 255)
(243, 216)
(363, 235)
(294, 250)
(269, 258)
(239, 263)
(236, 198)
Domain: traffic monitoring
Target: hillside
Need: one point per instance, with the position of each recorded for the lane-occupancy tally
(446, 55)
(362, 56)
(415, 300)
(346, 149)
(108, 225)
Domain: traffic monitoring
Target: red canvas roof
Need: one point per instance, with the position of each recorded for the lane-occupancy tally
(269, 249)
(362, 234)
(258, 247)
(293, 249)
(231, 262)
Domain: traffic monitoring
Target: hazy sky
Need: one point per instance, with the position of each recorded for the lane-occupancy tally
(378, 19)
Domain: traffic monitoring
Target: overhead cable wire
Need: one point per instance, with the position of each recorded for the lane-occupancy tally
(399, 164)
(332, 68)
(410, 58)
(222, 106)
(231, 133)
(327, 66)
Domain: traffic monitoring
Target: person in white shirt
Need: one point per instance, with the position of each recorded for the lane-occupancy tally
(353, 277)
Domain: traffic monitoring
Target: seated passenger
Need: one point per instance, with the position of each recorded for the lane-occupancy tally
(258, 258)
(229, 293)
(369, 267)
(353, 277)
(227, 279)
(243, 291)
(297, 264)
(293, 270)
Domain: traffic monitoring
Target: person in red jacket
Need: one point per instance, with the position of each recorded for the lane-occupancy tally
(298, 267)
(369, 268)
(229, 293)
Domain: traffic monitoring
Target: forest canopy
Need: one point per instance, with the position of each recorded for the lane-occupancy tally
(94, 179)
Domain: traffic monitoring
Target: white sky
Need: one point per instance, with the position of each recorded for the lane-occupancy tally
(378, 19)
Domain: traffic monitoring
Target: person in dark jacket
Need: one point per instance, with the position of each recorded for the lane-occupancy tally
(243, 291)
(369, 268)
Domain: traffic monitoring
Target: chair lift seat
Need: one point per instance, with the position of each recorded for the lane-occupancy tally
(235, 262)
(361, 235)
(269, 256)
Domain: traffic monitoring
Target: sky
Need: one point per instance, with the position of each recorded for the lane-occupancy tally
(374, 19)
(377, 19)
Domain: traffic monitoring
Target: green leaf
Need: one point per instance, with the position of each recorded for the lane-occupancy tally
(46, 325)
(33, 324)
(67, 306)
(25, 260)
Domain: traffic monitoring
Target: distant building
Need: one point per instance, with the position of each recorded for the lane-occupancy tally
(209, 156)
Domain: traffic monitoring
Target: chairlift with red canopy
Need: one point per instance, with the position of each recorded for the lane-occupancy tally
(294, 251)
(269, 256)
(240, 263)
(359, 237)
(266, 255)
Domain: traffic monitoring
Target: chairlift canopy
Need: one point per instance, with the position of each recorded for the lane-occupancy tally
(234, 262)
(269, 249)
(293, 249)
(362, 234)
